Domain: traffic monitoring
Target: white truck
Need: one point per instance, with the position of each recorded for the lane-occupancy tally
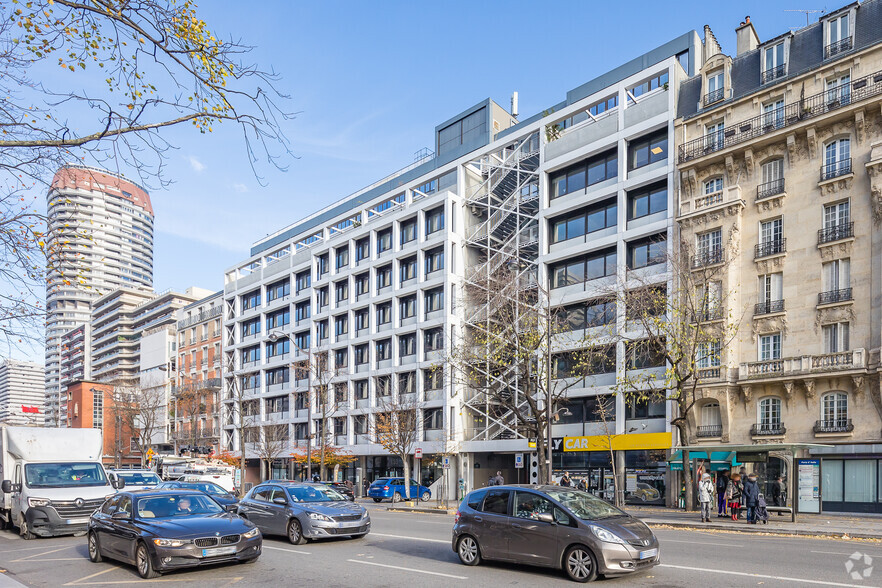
(53, 479)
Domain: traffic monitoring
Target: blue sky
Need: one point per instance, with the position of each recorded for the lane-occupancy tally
(371, 80)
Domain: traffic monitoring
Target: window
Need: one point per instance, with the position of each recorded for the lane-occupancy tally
(837, 275)
(251, 354)
(433, 379)
(277, 404)
(497, 502)
(773, 62)
(362, 354)
(714, 91)
(836, 215)
(604, 105)
(323, 297)
(341, 257)
(710, 415)
(835, 338)
(408, 231)
(98, 409)
(771, 288)
(278, 290)
(322, 264)
(434, 299)
(407, 307)
(714, 136)
(707, 354)
(645, 409)
(384, 349)
(648, 150)
(384, 385)
(407, 381)
(302, 311)
(434, 260)
(301, 340)
(362, 283)
(277, 376)
(837, 159)
(407, 269)
(647, 201)
(769, 413)
(277, 320)
(838, 36)
(772, 179)
(771, 237)
(341, 325)
(323, 330)
(277, 348)
(434, 339)
(645, 354)
(384, 313)
(384, 240)
(362, 392)
(384, 277)
(340, 425)
(773, 114)
(251, 300)
(659, 81)
(591, 171)
(341, 358)
(250, 328)
(362, 249)
(433, 419)
(582, 222)
(362, 320)
(250, 381)
(463, 131)
(770, 347)
(709, 247)
(434, 220)
(406, 345)
(647, 251)
(341, 291)
(834, 409)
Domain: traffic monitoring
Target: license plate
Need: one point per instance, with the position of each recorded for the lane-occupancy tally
(649, 553)
(219, 551)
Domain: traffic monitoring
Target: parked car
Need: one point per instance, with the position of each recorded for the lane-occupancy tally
(222, 497)
(136, 479)
(393, 489)
(552, 526)
(303, 511)
(163, 530)
(342, 488)
(219, 477)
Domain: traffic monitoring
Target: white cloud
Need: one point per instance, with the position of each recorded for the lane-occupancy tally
(240, 188)
(197, 165)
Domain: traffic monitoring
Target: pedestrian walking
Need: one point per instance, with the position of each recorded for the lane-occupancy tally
(499, 479)
(706, 489)
(349, 485)
(751, 498)
(777, 494)
(364, 487)
(316, 478)
(582, 485)
(565, 480)
(733, 495)
(722, 484)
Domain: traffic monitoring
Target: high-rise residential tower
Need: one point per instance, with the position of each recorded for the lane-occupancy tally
(100, 239)
(21, 392)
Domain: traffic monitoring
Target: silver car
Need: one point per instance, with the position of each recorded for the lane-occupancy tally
(303, 511)
(552, 526)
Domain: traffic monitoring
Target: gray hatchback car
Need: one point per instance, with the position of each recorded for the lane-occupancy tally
(303, 511)
(555, 527)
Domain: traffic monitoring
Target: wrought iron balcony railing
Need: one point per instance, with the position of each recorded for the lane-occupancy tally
(835, 232)
(774, 73)
(770, 189)
(770, 248)
(708, 258)
(789, 115)
(714, 96)
(710, 430)
(833, 296)
(762, 429)
(768, 307)
(837, 47)
(834, 169)
(834, 426)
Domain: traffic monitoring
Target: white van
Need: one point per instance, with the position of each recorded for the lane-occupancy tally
(223, 480)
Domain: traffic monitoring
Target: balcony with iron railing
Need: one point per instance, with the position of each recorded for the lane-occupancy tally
(713, 96)
(837, 47)
(774, 73)
(854, 359)
(833, 426)
(836, 232)
(772, 429)
(769, 189)
(712, 257)
(768, 307)
(768, 248)
(835, 169)
(835, 296)
(786, 116)
(709, 431)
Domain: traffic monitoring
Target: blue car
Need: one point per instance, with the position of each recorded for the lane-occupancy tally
(393, 488)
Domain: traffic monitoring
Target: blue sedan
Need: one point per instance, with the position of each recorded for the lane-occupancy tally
(393, 488)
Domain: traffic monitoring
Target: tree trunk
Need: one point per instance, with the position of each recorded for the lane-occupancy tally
(687, 480)
(406, 476)
(542, 454)
(322, 457)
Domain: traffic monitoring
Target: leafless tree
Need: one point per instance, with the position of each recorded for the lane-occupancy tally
(320, 371)
(142, 410)
(395, 429)
(605, 407)
(272, 442)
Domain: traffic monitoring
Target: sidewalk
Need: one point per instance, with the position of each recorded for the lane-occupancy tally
(831, 525)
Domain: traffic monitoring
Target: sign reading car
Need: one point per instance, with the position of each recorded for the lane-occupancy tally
(618, 442)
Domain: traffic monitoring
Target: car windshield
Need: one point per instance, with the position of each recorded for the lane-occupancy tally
(139, 478)
(584, 505)
(170, 506)
(314, 494)
(64, 475)
(381, 482)
(206, 487)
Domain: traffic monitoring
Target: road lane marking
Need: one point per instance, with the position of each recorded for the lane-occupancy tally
(847, 554)
(698, 543)
(288, 550)
(762, 576)
(82, 581)
(29, 549)
(373, 563)
(445, 541)
(75, 582)
(28, 557)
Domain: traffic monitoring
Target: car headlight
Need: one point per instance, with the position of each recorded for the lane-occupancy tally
(252, 533)
(39, 502)
(171, 542)
(317, 516)
(604, 535)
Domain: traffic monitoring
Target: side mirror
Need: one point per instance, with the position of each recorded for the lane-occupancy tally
(118, 484)
(6, 486)
(121, 515)
(233, 508)
(280, 500)
(545, 517)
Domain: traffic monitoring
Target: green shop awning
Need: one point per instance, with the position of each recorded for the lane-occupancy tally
(719, 460)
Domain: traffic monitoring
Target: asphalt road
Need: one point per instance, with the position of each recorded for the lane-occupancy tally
(406, 549)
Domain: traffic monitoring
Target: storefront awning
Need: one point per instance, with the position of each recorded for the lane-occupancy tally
(719, 460)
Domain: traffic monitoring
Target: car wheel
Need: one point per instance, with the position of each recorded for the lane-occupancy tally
(426, 496)
(377, 499)
(468, 551)
(295, 532)
(643, 497)
(144, 563)
(94, 549)
(396, 497)
(579, 564)
(25, 531)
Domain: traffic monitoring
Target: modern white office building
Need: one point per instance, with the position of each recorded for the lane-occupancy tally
(100, 238)
(21, 392)
(575, 197)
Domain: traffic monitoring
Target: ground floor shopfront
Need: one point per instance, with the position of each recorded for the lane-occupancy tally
(851, 478)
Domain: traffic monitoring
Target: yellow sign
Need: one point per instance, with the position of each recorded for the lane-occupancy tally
(531, 444)
(150, 452)
(618, 442)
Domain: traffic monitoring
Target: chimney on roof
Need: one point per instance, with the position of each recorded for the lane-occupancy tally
(711, 45)
(746, 37)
